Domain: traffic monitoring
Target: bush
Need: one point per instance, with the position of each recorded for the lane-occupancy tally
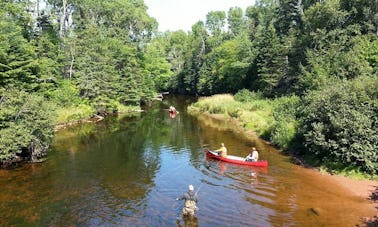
(340, 124)
(284, 129)
(67, 94)
(245, 95)
(26, 124)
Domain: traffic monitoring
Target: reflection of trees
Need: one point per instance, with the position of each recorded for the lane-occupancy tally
(179, 133)
(76, 136)
(115, 160)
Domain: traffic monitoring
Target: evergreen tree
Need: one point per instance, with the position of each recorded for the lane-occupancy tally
(271, 62)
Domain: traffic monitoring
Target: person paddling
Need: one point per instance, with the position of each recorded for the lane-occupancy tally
(190, 206)
(222, 151)
(253, 156)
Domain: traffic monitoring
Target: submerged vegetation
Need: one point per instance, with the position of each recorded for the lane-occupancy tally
(302, 74)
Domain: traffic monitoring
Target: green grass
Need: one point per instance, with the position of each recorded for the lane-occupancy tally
(340, 169)
(126, 109)
(74, 113)
(270, 119)
(256, 115)
(273, 120)
(84, 111)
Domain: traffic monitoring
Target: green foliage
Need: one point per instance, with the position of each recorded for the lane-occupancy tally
(362, 12)
(17, 65)
(225, 68)
(339, 56)
(26, 123)
(339, 123)
(271, 62)
(215, 22)
(188, 79)
(288, 16)
(325, 15)
(156, 66)
(256, 119)
(98, 58)
(104, 55)
(74, 113)
(367, 49)
(285, 127)
(236, 21)
(245, 95)
(66, 95)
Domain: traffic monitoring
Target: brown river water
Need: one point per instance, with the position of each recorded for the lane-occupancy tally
(127, 171)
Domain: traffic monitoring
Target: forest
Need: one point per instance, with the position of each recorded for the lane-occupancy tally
(314, 61)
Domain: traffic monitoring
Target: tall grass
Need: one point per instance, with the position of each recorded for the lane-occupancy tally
(272, 119)
(268, 118)
(74, 113)
(251, 117)
(85, 111)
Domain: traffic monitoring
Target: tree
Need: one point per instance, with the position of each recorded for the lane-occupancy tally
(189, 77)
(26, 127)
(271, 62)
(325, 15)
(236, 21)
(362, 12)
(156, 65)
(335, 57)
(105, 52)
(289, 14)
(17, 54)
(215, 22)
(225, 68)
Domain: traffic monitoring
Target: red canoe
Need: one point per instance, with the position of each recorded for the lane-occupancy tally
(236, 159)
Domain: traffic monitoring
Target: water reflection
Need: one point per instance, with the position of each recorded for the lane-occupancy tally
(127, 171)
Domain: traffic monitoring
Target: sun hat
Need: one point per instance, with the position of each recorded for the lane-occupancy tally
(191, 188)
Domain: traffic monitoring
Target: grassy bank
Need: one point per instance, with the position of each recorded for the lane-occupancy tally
(83, 111)
(275, 121)
(256, 114)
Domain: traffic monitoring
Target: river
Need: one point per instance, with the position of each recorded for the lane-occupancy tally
(127, 171)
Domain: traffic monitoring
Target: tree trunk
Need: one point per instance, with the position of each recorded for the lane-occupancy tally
(72, 62)
(63, 18)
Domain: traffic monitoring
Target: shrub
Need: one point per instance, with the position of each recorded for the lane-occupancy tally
(245, 95)
(284, 129)
(340, 123)
(67, 94)
(26, 124)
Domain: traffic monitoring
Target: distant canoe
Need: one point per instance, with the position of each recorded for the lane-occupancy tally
(236, 159)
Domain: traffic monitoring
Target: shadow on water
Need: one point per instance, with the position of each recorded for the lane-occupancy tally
(128, 171)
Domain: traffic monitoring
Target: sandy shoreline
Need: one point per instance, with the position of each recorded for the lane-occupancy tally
(364, 189)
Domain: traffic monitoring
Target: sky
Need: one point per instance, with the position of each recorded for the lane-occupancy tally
(182, 14)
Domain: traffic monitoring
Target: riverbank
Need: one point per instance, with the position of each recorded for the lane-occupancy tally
(363, 190)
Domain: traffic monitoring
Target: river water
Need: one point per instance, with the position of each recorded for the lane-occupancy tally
(127, 171)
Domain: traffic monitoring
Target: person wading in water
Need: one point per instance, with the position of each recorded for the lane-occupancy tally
(190, 205)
